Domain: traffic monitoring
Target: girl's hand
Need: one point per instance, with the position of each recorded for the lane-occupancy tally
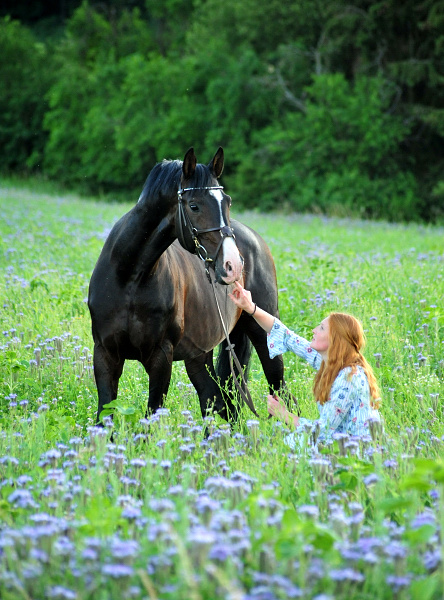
(278, 409)
(242, 298)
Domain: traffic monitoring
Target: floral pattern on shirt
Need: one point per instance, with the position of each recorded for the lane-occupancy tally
(347, 409)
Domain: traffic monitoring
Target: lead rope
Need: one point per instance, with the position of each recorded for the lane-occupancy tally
(245, 395)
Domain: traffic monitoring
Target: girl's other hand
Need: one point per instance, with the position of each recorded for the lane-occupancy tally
(278, 409)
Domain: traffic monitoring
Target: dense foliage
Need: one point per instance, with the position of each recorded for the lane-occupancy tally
(321, 106)
(161, 512)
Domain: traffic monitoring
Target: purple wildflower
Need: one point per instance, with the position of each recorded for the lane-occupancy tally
(395, 550)
(370, 479)
(311, 510)
(138, 463)
(22, 499)
(59, 592)
(397, 582)
(220, 552)
(201, 536)
(425, 518)
(131, 513)
(117, 571)
(346, 574)
(124, 548)
(432, 560)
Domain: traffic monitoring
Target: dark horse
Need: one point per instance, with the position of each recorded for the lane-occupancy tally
(150, 299)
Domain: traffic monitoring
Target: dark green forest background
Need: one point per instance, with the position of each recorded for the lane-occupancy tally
(328, 106)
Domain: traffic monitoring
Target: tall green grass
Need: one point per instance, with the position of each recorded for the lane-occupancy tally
(158, 511)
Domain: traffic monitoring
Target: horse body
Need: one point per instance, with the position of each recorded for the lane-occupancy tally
(150, 299)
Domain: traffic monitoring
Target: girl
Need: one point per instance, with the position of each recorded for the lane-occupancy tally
(344, 387)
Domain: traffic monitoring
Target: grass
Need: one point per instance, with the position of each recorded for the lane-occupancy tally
(161, 512)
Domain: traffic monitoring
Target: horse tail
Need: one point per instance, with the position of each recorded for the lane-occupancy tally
(242, 348)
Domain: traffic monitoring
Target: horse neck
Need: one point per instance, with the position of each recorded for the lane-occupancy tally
(144, 235)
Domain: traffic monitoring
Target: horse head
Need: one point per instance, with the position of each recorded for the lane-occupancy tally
(203, 218)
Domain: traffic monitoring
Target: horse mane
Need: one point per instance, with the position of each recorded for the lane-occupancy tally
(164, 179)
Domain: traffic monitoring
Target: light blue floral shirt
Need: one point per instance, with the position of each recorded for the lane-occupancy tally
(347, 409)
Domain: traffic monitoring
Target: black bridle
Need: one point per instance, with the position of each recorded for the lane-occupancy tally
(188, 235)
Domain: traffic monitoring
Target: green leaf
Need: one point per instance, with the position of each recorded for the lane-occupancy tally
(122, 409)
(323, 539)
(126, 410)
(112, 404)
(105, 413)
(389, 505)
(415, 482)
(291, 520)
(424, 465)
(32, 383)
(318, 535)
(420, 535)
(349, 480)
(35, 283)
(423, 589)
(286, 548)
(103, 518)
(438, 475)
(363, 466)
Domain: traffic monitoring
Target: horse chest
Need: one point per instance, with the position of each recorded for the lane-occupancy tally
(202, 328)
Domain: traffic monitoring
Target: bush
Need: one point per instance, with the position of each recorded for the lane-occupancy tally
(84, 116)
(26, 75)
(114, 113)
(338, 157)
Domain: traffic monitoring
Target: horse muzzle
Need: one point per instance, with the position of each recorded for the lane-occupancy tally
(229, 263)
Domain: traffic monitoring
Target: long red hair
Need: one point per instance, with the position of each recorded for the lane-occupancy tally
(346, 340)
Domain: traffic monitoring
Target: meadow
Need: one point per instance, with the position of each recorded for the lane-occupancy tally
(158, 510)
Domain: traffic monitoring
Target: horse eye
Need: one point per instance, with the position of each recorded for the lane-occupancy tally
(229, 200)
(194, 207)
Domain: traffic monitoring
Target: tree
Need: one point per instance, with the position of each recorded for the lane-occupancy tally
(26, 75)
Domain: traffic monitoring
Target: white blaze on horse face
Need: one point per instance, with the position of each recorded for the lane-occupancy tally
(231, 259)
(217, 195)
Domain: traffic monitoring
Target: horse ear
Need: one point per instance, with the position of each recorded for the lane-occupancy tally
(189, 164)
(216, 166)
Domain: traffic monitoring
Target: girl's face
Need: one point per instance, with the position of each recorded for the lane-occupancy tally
(320, 339)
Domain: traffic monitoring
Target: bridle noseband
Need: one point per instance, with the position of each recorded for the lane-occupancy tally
(188, 235)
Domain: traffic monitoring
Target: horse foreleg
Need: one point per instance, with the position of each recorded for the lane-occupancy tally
(202, 375)
(107, 372)
(273, 367)
(159, 367)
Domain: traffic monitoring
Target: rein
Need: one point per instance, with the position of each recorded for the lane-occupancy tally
(188, 238)
(244, 393)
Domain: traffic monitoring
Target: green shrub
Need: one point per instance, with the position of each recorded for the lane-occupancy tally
(338, 157)
(25, 75)
(84, 115)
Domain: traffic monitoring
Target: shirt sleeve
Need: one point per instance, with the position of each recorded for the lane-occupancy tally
(280, 339)
(337, 407)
